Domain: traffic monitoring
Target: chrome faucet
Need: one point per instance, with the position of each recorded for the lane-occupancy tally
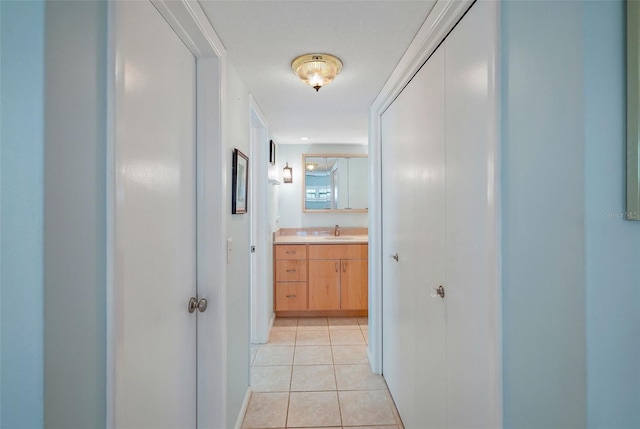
(336, 231)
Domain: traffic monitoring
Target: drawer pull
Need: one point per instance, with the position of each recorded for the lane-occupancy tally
(291, 271)
(290, 252)
(291, 296)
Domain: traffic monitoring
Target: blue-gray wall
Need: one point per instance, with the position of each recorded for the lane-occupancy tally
(75, 215)
(612, 244)
(571, 276)
(21, 215)
(543, 216)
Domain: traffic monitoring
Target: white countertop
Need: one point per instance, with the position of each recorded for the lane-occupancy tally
(321, 239)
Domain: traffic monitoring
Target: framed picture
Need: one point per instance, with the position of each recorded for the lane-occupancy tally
(240, 183)
(272, 152)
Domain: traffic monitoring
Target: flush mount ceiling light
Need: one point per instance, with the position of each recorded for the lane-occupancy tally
(316, 70)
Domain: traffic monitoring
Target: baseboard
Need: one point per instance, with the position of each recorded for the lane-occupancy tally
(243, 409)
(371, 361)
(273, 320)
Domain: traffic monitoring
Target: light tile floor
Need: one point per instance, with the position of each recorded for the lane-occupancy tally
(314, 373)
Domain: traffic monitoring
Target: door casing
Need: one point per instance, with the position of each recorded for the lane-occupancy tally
(190, 23)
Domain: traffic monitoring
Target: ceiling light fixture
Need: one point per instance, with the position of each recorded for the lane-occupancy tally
(316, 70)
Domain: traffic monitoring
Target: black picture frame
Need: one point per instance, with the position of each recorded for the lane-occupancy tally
(240, 183)
(272, 152)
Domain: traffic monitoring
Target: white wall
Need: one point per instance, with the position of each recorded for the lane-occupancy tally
(290, 194)
(238, 228)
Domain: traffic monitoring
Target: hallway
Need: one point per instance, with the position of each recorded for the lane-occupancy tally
(314, 372)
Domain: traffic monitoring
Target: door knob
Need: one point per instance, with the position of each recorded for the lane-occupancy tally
(396, 257)
(194, 305)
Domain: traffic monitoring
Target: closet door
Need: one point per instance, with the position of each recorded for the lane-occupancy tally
(155, 223)
(471, 234)
(413, 138)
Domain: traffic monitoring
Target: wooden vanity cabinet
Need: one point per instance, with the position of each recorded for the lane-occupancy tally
(321, 278)
(338, 277)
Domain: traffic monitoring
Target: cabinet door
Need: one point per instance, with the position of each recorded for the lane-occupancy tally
(324, 284)
(353, 284)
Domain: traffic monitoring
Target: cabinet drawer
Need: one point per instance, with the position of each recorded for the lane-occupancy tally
(291, 251)
(291, 296)
(291, 270)
(338, 251)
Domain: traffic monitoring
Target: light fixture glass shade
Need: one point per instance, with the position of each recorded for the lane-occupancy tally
(316, 70)
(287, 174)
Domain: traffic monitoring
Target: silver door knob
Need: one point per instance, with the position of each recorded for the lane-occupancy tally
(194, 305)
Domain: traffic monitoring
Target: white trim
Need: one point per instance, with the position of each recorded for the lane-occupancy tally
(189, 21)
(243, 409)
(441, 20)
(496, 88)
(211, 257)
(191, 24)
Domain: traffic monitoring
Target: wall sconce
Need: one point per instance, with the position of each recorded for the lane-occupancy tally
(316, 70)
(287, 174)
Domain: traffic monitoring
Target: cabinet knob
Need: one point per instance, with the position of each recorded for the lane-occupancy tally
(291, 271)
(396, 257)
(290, 252)
(291, 296)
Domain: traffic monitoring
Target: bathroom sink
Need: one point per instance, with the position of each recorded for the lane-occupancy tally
(338, 238)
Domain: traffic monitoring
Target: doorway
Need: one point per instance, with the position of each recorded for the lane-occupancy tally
(147, 102)
(261, 252)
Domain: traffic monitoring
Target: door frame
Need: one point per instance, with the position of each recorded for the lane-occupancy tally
(439, 23)
(190, 23)
(261, 302)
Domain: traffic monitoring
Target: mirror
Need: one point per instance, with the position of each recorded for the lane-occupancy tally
(335, 182)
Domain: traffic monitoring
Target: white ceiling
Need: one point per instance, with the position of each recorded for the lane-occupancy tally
(263, 37)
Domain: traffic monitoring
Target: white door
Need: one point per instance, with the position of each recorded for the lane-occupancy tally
(439, 139)
(155, 222)
(471, 235)
(414, 361)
